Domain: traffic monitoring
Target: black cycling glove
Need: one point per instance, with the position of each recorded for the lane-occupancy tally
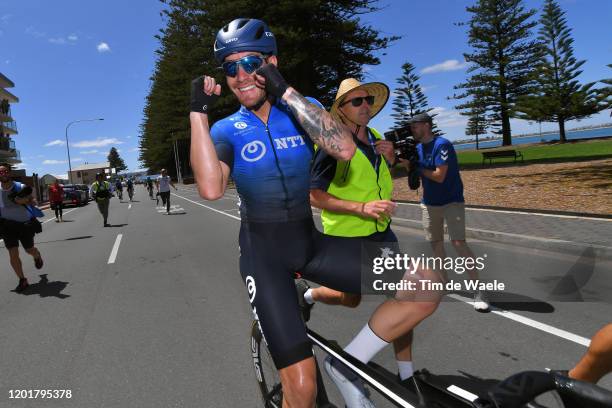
(200, 102)
(275, 83)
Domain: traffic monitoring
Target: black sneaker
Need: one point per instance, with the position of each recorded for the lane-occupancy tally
(23, 285)
(301, 286)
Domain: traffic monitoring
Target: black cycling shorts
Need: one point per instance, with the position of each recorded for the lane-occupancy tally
(13, 232)
(271, 254)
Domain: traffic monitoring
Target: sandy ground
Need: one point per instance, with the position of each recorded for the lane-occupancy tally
(579, 186)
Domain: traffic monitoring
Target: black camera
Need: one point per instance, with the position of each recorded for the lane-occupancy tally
(405, 148)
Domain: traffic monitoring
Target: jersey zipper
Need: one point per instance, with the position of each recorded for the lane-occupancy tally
(282, 175)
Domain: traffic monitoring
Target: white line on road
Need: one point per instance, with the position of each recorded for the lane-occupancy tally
(113, 254)
(583, 341)
(129, 206)
(205, 206)
(51, 219)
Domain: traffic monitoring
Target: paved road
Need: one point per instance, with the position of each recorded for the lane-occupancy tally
(166, 323)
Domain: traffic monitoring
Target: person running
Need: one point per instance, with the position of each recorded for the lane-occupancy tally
(101, 192)
(14, 214)
(149, 184)
(355, 196)
(119, 189)
(130, 188)
(56, 199)
(267, 146)
(163, 184)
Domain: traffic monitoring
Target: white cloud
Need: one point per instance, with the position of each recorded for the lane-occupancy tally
(448, 118)
(34, 32)
(428, 87)
(54, 162)
(76, 159)
(97, 142)
(89, 151)
(57, 41)
(56, 142)
(5, 18)
(73, 37)
(103, 47)
(135, 149)
(448, 65)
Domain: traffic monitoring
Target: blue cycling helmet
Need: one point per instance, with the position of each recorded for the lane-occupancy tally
(244, 34)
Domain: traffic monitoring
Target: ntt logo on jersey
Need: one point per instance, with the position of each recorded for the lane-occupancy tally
(240, 125)
(253, 151)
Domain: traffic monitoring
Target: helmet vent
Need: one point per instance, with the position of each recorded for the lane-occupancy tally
(241, 24)
(260, 32)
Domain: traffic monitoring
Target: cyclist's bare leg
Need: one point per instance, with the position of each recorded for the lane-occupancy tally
(397, 317)
(299, 384)
(403, 347)
(597, 361)
(335, 297)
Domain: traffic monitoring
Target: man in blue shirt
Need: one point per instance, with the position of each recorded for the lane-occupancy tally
(442, 195)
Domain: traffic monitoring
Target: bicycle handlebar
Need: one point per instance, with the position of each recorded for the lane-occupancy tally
(521, 388)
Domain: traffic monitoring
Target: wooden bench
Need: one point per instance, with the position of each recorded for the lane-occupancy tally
(495, 154)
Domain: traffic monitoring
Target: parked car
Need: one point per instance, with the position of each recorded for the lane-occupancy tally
(85, 189)
(75, 195)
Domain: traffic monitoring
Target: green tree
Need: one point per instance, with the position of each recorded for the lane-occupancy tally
(115, 160)
(502, 62)
(559, 97)
(410, 99)
(477, 118)
(320, 43)
(605, 93)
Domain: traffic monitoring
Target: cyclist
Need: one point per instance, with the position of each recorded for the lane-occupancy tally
(130, 188)
(265, 148)
(119, 188)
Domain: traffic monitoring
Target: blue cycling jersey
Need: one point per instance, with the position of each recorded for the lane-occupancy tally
(270, 163)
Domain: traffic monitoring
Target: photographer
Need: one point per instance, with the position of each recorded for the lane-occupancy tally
(101, 192)
(15, 217)
(442, 195)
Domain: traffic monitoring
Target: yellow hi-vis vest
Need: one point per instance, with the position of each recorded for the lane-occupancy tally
(357, 180)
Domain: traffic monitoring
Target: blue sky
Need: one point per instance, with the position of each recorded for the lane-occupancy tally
(74, 60)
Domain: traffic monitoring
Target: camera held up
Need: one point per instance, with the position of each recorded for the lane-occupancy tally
(405, 148)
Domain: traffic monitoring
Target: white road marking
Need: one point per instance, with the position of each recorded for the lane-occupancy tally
(113, 254)
(583, 341)
(129, 206)
(205, 206)
(66, 212)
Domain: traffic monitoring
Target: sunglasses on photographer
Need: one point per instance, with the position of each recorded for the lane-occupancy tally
(359, 100)
(249, 64)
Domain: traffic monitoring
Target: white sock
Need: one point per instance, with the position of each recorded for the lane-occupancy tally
(405, 369)
(308, 297)
(365, 345)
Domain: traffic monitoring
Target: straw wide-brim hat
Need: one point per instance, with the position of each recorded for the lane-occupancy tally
(378, 90)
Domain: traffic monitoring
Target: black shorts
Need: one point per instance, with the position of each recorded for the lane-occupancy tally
(270, 255)
(13, 232)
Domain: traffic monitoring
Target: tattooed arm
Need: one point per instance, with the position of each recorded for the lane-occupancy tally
(318, 124)
(330, 135)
